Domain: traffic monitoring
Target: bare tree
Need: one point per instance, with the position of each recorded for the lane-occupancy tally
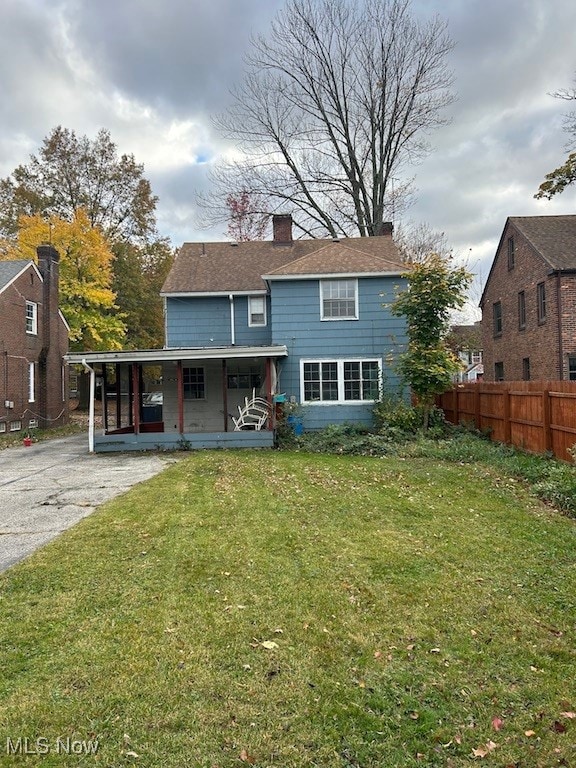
(418, 241)
(338, 99)
(244, 221)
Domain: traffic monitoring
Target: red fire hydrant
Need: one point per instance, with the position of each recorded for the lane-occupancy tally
(27, 441)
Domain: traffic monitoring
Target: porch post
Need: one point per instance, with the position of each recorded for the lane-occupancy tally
(225, 392)
(118, 395)
(180, 392)
(269, 424)
(105, 397)
(136, 397)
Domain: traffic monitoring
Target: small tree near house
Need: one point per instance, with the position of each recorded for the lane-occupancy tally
(435, 288)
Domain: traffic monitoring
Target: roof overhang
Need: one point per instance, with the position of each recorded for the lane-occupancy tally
(332, 275)
(205, 294)
(173, 354)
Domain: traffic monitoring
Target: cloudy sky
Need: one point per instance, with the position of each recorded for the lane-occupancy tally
(152, 73)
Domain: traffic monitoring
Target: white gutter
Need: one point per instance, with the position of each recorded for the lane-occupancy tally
(91, 411)
(232, 323)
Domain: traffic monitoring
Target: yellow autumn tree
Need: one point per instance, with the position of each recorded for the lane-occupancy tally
(86, 298)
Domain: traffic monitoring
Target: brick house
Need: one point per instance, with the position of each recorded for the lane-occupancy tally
(33, 342)
(529, 301)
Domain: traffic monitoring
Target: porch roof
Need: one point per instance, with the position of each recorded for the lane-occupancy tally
(176, 353)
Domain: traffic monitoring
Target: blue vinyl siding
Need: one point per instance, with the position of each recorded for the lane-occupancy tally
(376, 334)
(205, 322)
(198, 322)
(246, 335)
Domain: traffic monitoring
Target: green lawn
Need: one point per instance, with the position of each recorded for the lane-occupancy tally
(287, 609)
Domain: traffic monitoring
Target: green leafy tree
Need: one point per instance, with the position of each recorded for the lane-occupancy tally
(71, 172)
(139, 273)
(435, 289)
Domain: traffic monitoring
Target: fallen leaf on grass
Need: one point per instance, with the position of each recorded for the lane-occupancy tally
(559, 727)
(569, 715)
(270, 645)
(497, 723)
(529, 733)
(484, 750)
(246, 758)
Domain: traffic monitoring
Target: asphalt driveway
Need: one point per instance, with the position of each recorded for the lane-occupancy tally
(51, 485)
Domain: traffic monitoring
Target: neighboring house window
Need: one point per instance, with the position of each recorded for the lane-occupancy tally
(477, 357)
(31, 382)
(31, 318)
(521, 310)
(15, 426)
(193, 383)
(2, 426)
(497, 318)
(572, 367)
(341, 381)
(510, 253)
(256, 310)
(339, 299)
(541, 301)
(499, 371)
(526, 368)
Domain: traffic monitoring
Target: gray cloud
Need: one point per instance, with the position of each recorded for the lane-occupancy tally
(153, 73)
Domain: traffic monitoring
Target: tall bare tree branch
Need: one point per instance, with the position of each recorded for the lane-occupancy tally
(338, 99)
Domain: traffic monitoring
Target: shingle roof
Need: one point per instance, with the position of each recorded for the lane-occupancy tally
(554, 237)
(230, 267)
(11, 269)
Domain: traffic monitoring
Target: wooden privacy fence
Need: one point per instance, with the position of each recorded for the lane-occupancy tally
(538, 416)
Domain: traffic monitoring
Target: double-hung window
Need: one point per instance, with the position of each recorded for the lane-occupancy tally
(31, 318)
(256, 311)
(340, 381)
(339, 299)
(521, 310)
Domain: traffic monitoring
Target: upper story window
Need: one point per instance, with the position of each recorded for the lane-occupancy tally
(339, 299)
(572, 367)
(256, 311)
(497, 318)
(31, 318)
(541, 301)
(194, 384)
(511, 253)
(521, 310)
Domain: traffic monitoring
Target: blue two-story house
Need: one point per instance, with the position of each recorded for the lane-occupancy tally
(253, 324)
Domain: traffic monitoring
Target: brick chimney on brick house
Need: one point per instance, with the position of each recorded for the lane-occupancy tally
(49, 361)
(282, 228)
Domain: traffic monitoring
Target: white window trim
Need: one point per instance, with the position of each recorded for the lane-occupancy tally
(250, 323)
(340, 373)
(31, 382)
(332, 319)
(34, 318)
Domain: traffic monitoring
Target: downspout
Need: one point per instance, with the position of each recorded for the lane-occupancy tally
(91, 407)
(232, 321)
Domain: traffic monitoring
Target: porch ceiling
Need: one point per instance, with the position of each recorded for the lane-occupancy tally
(176, 353)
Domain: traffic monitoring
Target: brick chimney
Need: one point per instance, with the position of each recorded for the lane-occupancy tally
(282, 228)
(49, 266)
(49, 360)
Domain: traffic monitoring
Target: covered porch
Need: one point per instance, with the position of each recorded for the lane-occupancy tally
(178, 398)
